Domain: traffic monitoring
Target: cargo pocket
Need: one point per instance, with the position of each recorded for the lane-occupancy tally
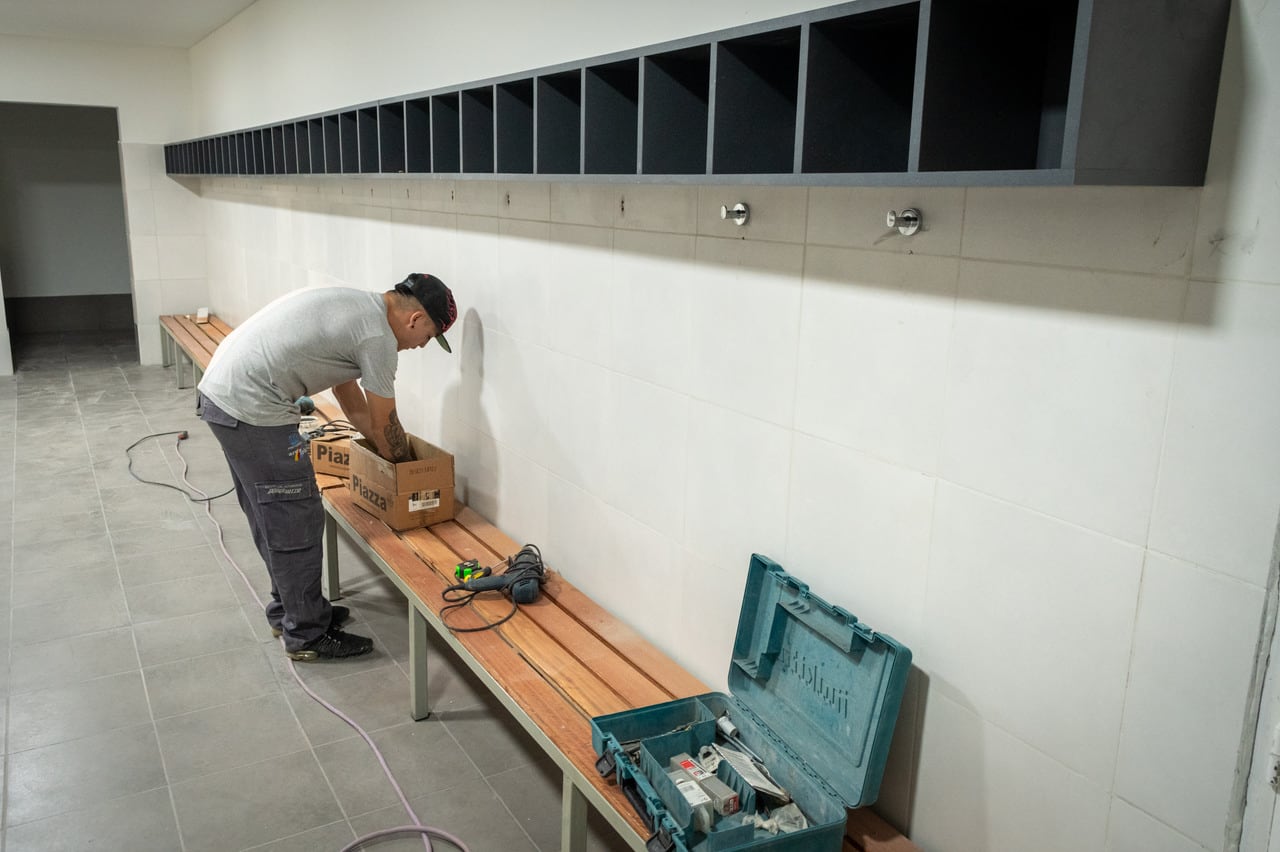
(292, 516)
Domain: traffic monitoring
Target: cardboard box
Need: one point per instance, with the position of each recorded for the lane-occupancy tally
(331, 454)
(404, 495)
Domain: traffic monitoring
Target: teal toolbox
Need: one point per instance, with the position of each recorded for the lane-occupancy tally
(815, 694)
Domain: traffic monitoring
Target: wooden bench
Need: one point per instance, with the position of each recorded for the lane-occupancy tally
(184, 339)
(554, 665)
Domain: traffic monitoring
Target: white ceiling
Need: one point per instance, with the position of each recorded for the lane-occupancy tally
(156, 23)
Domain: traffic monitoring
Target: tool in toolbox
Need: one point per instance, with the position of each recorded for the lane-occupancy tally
(802, 735)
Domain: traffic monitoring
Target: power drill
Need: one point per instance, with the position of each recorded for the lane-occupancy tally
(522, 580)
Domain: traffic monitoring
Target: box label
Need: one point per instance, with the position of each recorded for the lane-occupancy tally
(421, 501)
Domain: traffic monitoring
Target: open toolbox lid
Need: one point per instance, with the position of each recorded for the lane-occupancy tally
(817, 676)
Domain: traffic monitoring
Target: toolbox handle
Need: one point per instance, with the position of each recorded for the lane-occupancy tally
(837, 624)
(631, 790)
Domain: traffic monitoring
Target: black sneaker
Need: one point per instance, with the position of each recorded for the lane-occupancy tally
(334, 643)
(339, 618)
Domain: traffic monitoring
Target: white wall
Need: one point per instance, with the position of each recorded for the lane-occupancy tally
(150, 86)
(6, 350)
(1036, 443)
(283, 59)
(151, 91)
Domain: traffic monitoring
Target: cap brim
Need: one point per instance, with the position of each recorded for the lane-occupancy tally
(444, 344)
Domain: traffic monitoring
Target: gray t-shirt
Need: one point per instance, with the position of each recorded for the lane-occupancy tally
(300, 344)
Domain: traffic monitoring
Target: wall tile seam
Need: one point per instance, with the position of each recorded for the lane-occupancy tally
(613, 372)
(1061, 267)
(1233, 282)
(284, 204)
(679, 540)
(1041, 513)
(1116, 797)
(958, 698)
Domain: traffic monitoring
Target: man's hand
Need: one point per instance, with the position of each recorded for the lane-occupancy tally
(374, 417)
(385, 430)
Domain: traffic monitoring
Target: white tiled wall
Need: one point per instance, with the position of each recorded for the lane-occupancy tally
(1030, 445)
(167, 248)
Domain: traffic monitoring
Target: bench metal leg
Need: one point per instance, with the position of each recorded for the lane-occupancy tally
(166, 346)
(573, 818)
(329, 581)
(418, 708)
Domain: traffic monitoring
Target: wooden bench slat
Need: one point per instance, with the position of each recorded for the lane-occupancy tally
(657, 666)
(188, 343)
(200, 334)
(562, 724)
(587, 689)
(202, 348)
(866, 831)
(610, 665)
(218, 323)
(560, 660)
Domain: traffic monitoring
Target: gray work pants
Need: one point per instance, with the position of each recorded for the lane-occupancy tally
(276, 486)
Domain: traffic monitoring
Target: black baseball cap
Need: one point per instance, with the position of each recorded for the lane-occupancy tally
(436, 299)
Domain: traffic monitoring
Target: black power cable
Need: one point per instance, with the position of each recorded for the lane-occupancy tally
(521, 580)
(182, 436)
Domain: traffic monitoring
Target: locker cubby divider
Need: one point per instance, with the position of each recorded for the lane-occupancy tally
(859, 91)
(367, 136)
(477, 130)
(675, 104)
(867, 92)
(349, 139)
(558, 112)
(757, 80)
(446, 134)
(513, 117)
(332, 144)
(391, 138)
(610, 118)
(417, 135)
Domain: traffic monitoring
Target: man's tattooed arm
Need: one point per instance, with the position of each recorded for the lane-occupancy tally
(397, 443)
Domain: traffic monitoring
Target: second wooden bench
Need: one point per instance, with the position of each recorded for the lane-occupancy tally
(183, 340)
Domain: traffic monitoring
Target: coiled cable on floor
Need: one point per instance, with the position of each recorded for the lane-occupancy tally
(182, 436)
(417, 827)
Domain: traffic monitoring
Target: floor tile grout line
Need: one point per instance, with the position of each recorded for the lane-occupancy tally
(384, 617)
(8, 715)
(155, 729)
(215, 529)
(8, 696)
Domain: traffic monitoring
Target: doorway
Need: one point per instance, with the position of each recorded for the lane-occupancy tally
(64, 255)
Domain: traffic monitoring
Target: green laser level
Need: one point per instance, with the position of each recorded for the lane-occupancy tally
(464, 571)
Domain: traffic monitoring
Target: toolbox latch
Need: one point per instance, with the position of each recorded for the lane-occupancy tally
(663, 838)
(605, 765)
(660, 841)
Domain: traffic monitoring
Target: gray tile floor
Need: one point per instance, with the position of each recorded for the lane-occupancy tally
(146, 706)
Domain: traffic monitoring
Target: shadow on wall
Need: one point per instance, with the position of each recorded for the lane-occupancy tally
(464, 427)
(1228, 236)
(1087, 236)
(897, 799)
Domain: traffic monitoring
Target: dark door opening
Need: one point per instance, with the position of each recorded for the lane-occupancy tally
(64, 252)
